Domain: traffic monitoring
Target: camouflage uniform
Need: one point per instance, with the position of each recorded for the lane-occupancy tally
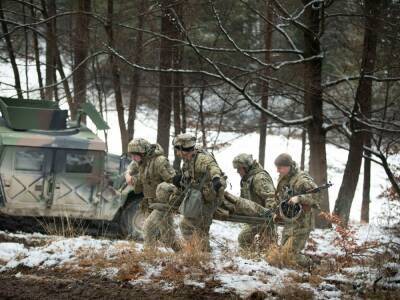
(296, 232)
(159, 224)
(257, 186)
(154, 168)
(201, 164)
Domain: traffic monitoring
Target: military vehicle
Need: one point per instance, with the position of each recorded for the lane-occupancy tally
(51, 167)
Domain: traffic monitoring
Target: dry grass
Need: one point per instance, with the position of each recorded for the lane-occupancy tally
(190, 262)
(281, 256)
(64, 226)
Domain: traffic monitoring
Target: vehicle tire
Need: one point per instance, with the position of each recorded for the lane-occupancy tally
(132, 220)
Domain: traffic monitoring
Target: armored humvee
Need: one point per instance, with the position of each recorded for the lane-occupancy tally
(50, 167)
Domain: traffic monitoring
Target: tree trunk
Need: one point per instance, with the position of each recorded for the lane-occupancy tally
(11, 54)
(80, 40)
(135, 80)
(116, 80)
(303, 149)
(313, 105)
(361, 104)
(366, 184)
(48, 11)
(178, 94)
(201, 116)
(169, 28)
(37, 54)
(265, 88)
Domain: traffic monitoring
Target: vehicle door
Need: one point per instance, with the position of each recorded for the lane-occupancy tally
(78, 176)
(26, 179)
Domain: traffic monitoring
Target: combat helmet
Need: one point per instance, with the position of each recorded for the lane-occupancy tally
(283, 160)
(139, 146)
(164, 191)
(243, 160)
(184, 142)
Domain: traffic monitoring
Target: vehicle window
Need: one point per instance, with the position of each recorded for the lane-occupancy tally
(29, 160)
(79, 162)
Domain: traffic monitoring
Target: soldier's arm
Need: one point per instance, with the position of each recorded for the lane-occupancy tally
(208, 164)
(137, 184)
(306, 184)
(164, 168)
(264, 188)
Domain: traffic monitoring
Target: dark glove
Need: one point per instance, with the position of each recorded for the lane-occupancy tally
(176, 181)
(216, 182)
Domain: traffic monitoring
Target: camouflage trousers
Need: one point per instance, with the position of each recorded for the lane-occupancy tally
(295, 241)
(199, 227)
(257, 236)
(158, 226)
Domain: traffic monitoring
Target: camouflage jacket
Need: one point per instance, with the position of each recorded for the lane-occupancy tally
(299, 181)
(257, 186)
(203, 163)
(154, 169)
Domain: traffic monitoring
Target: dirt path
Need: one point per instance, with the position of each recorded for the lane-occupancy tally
(53, 284)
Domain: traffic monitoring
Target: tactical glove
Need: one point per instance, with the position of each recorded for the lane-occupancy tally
(216, 182)
(176, 181)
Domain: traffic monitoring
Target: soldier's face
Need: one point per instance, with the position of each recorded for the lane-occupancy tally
(179, 153)
(187, 155)
(137, 157)
(283, 170)
(242, 171)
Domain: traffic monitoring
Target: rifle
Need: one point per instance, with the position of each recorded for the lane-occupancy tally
(288, 211)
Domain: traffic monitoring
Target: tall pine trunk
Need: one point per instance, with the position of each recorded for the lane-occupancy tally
(81, 49)
(361, 106)
(314, 104)
(135, 79)
(35, 45)
(178, 89)
(167, 50)
(265, 88)
(116, 79)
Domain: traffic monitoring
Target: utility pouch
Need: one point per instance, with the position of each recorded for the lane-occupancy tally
(192, 204)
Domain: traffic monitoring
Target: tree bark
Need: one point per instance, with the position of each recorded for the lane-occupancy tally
(178, 94)
(135, 80)
(314, 104)
(116, 80)
(49, 9)
(37, 54)
(362, 102)
(303, 149)
(11, 54)
(366, 184)
(201, 117)
(80, 40)
(265, 87)
(169, 28)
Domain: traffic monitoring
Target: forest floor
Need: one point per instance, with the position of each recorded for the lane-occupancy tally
(361, 262)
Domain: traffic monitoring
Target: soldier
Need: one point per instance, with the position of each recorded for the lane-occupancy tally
(204, 184)
(256, 185)
(296, 232)
(153, 168)
(159, 224)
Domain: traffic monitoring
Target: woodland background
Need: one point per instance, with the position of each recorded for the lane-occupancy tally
(326, 72)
